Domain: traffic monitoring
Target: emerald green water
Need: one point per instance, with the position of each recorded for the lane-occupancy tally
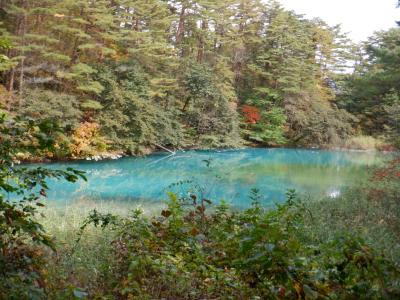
(230, 175)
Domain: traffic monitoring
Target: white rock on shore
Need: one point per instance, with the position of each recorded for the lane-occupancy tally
(104, 156)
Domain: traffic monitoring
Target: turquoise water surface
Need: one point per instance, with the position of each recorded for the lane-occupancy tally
(227, 175)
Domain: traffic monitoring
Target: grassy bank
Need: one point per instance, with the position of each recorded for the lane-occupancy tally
(375, 219)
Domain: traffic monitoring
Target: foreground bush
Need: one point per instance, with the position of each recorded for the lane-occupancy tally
(187, 253)
(23, 239)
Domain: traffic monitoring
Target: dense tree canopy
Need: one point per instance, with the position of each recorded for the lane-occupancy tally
(373, 90)
(183, 73)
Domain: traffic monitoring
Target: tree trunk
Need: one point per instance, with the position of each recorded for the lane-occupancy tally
(10, 85)
(74, 53)
(201, 49)
(136, 25)
(181, 26)
(21, 76)
(21, 70)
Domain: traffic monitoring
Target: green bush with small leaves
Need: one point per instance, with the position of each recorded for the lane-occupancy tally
(22, 190)
(197, 250)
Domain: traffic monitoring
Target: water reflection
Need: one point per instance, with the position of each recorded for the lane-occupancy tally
(231, 176)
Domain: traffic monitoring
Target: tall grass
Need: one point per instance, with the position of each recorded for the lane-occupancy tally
(363, 142)
(376, 219)
(82, 264)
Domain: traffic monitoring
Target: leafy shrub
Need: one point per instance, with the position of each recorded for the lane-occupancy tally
(393, 112)
(86, 140)
(251, 114)
(207, 111)
(22, 273)
(39, 105)
(270, 129)
(315, 122)
(195, 250)
(264, 118)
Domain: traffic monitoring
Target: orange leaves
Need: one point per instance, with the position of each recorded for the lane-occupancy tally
(86, 139)
(251, 113)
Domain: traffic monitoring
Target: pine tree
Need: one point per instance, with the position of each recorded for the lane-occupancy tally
(145, 36)
(287, 62)
(5, 45)
(90, 34)
(200, 62)
(374, 87)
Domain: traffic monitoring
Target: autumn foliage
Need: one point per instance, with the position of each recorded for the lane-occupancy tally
(251, 114)
(389, 172)
(87, 140)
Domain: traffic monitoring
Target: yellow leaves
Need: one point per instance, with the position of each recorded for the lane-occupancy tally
(6, 98)
(64, 75)
(59, 15)
(119, 55)
(86, 139)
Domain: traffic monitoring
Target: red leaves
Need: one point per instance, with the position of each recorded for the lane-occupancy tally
(251, 114)
(390, 172)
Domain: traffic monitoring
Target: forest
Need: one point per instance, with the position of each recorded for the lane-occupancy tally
(85, 79)
(130, 76)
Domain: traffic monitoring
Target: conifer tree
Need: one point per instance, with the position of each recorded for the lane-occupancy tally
(202, 64)
(145, 34)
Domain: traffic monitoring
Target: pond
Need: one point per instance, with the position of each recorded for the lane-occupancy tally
(220, 175)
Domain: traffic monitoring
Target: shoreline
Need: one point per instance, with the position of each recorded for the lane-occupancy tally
(108, 156)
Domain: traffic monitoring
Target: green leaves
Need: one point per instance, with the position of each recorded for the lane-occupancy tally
(5, 62)
(207, 110)
(174, 73)
(91, 105)
(374, 83)
(269, 129)
(21, 191)
(25, 186)
(243, 254)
